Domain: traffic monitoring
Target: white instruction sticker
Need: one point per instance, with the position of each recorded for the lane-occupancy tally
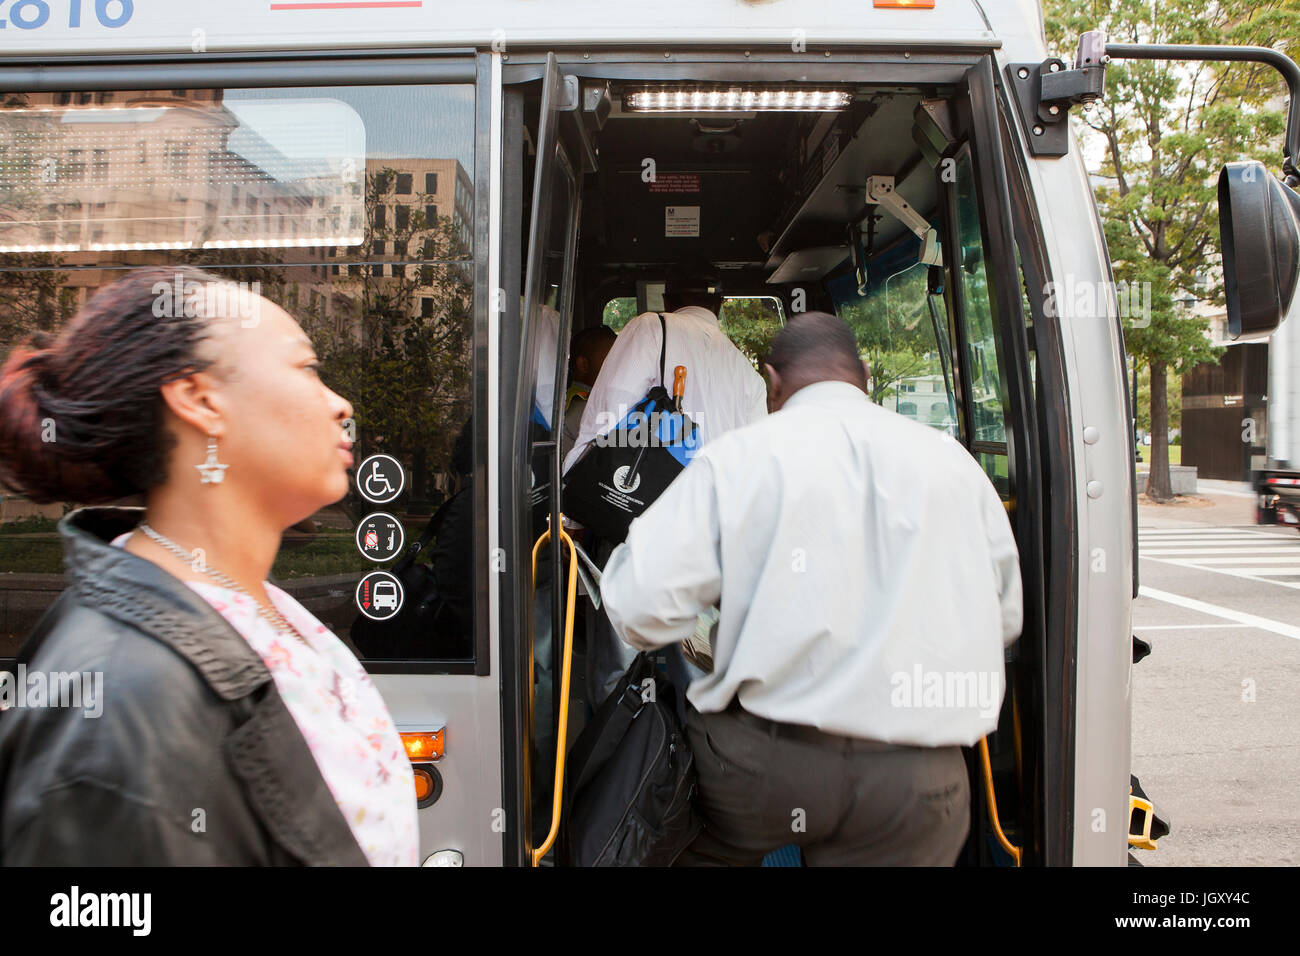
(682, 222)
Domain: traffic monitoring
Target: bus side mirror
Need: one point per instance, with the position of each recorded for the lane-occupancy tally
(1259, 232)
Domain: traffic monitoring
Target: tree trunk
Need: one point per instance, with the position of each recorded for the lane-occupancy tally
(1158, 484)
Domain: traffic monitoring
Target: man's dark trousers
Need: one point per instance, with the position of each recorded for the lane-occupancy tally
(845, 802)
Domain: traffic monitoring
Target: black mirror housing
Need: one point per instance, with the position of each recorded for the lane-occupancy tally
(1259, 232)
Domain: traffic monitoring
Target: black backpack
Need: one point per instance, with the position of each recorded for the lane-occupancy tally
(632, 778)
(623, 471)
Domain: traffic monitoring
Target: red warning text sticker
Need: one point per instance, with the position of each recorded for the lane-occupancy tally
(676, 183)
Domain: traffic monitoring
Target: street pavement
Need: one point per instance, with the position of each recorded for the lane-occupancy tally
(1216, 705)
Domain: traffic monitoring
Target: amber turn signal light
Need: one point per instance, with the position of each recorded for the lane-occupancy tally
(423, 746)
(423, 784)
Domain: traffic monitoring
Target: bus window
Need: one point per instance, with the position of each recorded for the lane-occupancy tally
(749, 321)
(903, 333)
(987, 383)
(317, 199)
(619, 312)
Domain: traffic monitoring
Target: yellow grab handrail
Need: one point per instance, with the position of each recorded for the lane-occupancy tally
(562, 732)
(993, 802)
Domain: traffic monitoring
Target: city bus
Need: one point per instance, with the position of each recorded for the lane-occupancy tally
(443, 194)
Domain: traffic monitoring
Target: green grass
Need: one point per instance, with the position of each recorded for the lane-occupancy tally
(329, 552)
(32, 556)
(33, 524)
(1175, 455)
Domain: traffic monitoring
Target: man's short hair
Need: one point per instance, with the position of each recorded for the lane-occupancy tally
(691, 275)
(816, 345)
(692, 282)
(587, 342)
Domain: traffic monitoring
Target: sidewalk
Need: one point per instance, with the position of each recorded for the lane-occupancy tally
(1227, 508)
(1208, 486)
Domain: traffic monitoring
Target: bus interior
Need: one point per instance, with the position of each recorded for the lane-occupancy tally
(878, 212)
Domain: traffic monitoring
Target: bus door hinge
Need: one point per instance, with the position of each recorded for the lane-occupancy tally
(1046, 91)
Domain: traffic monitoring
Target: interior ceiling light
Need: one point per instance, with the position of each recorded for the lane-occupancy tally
(735, 99)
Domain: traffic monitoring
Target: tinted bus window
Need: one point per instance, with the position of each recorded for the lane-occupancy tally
(351, 208)
(987, 385)
(902, 331)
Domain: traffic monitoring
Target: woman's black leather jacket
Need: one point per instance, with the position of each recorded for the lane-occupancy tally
(193, 758)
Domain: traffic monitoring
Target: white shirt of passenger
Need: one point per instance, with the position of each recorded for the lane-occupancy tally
(865, 568)
(723, 389)
(541, 358)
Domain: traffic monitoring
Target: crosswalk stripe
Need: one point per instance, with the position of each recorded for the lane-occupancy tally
(1215, 550)
(1264, 572)
(1248, 559)
(1218, 537)
(1178, 531)
(1199, 543)
(1253, 620)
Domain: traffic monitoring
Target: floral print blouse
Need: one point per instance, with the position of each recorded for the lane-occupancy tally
(342, 717)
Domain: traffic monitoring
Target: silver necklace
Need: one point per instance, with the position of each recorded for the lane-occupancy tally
(268, 614)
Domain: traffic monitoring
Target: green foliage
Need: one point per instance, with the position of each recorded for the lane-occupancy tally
(894, 331)
(389, 348)
(619, 312)
(1142, 403)
(1166, 129)
(32, 524)
(751, 324)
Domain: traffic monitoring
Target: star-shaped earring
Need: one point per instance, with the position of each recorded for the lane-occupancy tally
(212, 472)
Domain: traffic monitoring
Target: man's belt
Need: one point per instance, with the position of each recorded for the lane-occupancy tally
(809, 735)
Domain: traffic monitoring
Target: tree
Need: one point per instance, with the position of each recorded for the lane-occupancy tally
(1167, 128)
(415, 331)
(893, 327)
(619, 312)
(751, 324)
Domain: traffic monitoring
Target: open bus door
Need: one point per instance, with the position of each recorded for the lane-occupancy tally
(991, 364)
(991, 358)
(535, 692)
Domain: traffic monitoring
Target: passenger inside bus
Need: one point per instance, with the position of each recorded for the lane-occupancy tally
(871, 213)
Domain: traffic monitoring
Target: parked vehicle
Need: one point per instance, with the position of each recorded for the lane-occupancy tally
(1279, 497)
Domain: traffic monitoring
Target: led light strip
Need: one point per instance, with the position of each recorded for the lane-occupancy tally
(210, 244)
(665, 100)
(54, 247)
(282, 243)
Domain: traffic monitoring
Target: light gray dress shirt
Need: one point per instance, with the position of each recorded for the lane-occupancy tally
(864, 564)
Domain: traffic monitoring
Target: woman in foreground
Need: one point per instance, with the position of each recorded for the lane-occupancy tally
(234, 727)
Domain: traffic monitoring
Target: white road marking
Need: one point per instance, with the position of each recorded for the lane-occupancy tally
(1227, 613)
(1183, 627)
(1245, 553)
(1217, 550)
(1251, 559)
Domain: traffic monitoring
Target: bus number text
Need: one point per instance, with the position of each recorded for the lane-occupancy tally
(34, 14)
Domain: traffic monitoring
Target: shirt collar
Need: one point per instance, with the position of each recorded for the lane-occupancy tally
(695, 310)
(827, 393)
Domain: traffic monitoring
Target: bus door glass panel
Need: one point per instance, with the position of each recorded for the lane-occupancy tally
(349, 207)
(902, 333)
(548, 304)
(987, 387)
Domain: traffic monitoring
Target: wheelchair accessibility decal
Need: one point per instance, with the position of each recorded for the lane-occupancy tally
(380, 479)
